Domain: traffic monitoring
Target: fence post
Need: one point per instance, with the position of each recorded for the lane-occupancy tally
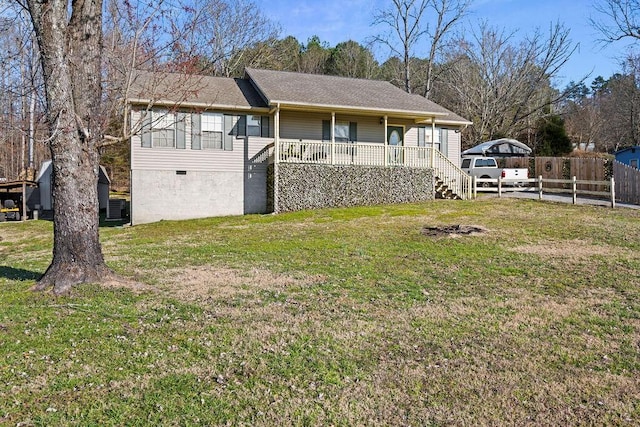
(574, 190)
(474, 187)
(500, 186)
(540, 187)
(613, 193)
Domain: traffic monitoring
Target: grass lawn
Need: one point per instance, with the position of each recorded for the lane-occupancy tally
(344, 317)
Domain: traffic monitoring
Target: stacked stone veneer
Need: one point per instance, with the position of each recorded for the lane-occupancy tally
(294, 187)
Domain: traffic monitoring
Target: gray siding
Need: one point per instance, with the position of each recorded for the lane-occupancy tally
(168, 159)
(455, 147)
(308, 126)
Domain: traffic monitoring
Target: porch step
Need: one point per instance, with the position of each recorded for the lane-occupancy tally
(442, 191)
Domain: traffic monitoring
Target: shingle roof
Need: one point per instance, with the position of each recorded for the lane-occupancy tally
(264, 88)
(332, 91)
(194, 90)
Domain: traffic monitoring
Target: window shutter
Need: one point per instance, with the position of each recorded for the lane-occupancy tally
(241, 127)
(181, 137)
(353, 131)
(228, 133)
(421, 137)
(195, 132)
(146, 129)
(326, 130)
(264, 123)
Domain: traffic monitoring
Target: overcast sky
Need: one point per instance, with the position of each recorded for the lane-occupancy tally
(335, 21)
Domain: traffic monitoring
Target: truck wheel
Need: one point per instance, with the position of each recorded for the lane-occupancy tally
(486, 184)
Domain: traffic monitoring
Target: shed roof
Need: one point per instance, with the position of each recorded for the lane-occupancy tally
(624, 150)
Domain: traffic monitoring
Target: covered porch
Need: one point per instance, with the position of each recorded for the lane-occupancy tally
(447, 175)
(357, 137)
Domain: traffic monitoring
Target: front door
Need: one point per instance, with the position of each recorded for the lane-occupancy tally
(395, 138)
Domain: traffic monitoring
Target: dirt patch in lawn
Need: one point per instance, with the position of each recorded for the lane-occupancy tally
(453, 230)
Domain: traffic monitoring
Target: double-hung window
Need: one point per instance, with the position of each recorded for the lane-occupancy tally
(158, 129)
(212, 127)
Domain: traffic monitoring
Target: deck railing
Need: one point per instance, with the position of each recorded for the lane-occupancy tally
(376, 154)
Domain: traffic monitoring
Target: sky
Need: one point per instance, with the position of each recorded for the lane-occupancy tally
(335, 21)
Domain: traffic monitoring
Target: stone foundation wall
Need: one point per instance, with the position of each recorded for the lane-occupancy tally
(310, 186)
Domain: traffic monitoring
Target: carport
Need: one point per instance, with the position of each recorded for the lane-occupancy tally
(503, 147)
(19, 192)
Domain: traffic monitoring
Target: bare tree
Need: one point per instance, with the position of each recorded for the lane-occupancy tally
(618, 19)
(501, 85)
(20, 104)
(410, 23)
(223, 32)
(447, 14)
(405, 30)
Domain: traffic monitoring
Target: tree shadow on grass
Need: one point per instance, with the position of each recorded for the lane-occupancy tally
(12, 273)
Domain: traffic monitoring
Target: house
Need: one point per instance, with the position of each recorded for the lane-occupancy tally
(629, 156)
(276, 141)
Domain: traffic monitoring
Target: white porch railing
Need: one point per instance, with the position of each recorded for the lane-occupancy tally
(376, 154)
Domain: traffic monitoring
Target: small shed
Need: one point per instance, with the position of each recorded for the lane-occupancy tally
(44, 186)
(629, 156)
(503, 147)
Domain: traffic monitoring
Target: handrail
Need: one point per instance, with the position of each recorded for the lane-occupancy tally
(452, 176)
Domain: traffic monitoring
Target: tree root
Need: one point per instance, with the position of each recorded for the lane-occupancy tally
(61, 278)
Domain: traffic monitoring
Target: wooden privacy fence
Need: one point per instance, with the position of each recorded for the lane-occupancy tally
(563, 168)
(627, 183)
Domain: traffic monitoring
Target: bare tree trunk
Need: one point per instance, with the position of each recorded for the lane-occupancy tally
(70, 52)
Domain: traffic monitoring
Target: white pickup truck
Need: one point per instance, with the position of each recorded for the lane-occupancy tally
(487, 168)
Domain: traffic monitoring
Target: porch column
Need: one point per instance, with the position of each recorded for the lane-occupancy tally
(386, 141)
(276, 133)
(333, 137)
(433, 142)
(276, 165)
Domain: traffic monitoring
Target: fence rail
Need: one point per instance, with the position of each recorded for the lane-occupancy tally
(574, 187)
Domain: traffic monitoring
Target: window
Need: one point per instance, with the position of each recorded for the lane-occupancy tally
(163, 129)
(254, 126)
(211, 129)
(342, 131)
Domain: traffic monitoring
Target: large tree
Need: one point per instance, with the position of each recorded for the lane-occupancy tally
(503, 84)
(409, 25)
(617, 19)
(69, 37)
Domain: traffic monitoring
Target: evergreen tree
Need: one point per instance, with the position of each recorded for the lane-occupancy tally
(552, 139)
